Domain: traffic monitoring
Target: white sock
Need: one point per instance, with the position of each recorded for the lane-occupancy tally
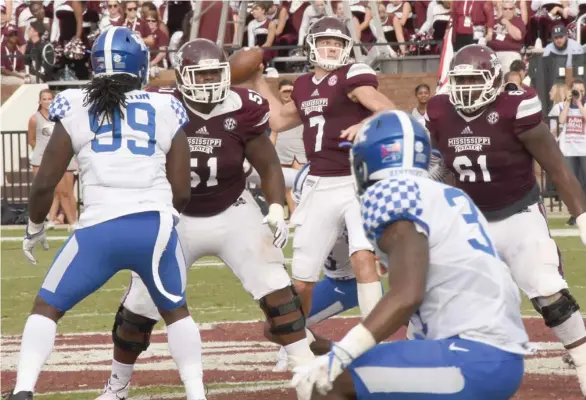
(299, 352)
(571, 330)
(369, 295)
(185, 348)
(38, 339)
(121, 374)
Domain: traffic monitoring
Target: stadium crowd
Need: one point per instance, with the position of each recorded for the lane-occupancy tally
(508, 27)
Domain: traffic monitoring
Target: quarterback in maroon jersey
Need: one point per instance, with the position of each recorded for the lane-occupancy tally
(331, 103)
(489, 140)
(226, 125)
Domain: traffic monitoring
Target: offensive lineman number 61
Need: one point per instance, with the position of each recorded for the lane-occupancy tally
(463, 164)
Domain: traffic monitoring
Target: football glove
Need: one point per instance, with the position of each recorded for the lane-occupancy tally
(34, 234)
(276, 220)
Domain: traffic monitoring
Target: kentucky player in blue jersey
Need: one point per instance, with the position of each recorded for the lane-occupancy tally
(135, 178)
(444, 277)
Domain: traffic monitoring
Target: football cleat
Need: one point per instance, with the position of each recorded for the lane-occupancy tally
(112, 393)
(21, 396)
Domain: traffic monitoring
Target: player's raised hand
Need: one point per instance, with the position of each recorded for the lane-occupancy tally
(276, 220)
(34, 234)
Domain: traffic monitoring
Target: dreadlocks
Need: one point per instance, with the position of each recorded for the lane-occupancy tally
(106, 95)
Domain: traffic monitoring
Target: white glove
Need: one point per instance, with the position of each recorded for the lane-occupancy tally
(581, 224)
(276, 220)
(323, 371)
(34, 233)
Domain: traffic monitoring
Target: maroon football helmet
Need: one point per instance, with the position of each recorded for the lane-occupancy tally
(328, 27)
(202, 55)
(475, 78)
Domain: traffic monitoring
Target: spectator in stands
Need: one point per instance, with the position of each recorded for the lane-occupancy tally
(399, 12)
(114, 17)
(40, 129)
(12, 63)
(315, 11)
(171, 13)
(548, 14)
(149, 6)
(513, 82)
(508, 36)
(572, 120)
(38, 67)
(557, 95)
(261, 31)
(363, 13)
(37, 13)
(563, 45)
(160, 42)
(179, 38)
(422, 93)
(438, 15)
(578, 9)
(421, 9)
(520, 67)
(136, 24)
(289, 144)
(473, 22)
(355, 22)
(7, 26)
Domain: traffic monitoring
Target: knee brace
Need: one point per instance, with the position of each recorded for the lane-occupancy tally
(284, 309)
(132, 322)
(559, 311)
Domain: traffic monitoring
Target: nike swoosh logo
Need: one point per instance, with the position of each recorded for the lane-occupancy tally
(337, 290)
(453, 347)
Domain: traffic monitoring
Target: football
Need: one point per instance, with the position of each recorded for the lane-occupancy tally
(244, 62)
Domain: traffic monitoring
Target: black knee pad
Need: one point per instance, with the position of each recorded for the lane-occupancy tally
(558, 312)
(284, 309)
(132, 322)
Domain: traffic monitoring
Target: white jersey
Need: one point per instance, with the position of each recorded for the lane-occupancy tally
(122, 163)
(470, 292)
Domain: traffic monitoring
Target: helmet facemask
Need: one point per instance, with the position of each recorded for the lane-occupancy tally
(462, 95)
(213, 92)
(323, 62)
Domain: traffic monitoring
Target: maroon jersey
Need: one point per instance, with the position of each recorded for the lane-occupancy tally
(489, 161)
(217, 142)
(325, 110)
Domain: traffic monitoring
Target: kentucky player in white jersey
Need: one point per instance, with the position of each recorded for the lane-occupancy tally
(444, 276)
(135, 177)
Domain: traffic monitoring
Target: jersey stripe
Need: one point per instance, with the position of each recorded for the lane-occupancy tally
(108, 49)
(528, 107)
(359, 69)
(408, 139)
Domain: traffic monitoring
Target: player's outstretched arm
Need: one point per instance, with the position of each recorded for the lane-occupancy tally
(370, 98)
(179, 170)
(283, 117)
(542, 146)
(55, 160)
(262, 155)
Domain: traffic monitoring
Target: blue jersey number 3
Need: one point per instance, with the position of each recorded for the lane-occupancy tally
(451, 194)
(116, 130)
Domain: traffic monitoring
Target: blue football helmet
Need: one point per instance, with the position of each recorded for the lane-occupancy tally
(120, 51)
(389, 143)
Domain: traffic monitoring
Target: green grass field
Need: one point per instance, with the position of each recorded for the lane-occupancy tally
(213, 293)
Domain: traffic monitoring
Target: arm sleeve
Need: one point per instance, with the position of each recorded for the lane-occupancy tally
(255, 116)
(389, 201)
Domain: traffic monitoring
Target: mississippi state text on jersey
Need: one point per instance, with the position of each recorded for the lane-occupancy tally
(325, 110)
(489, 161)
(217, 142)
